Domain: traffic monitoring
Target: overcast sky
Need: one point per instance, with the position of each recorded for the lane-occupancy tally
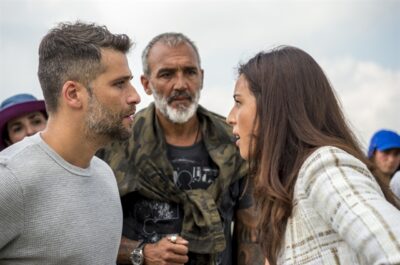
(357, 43)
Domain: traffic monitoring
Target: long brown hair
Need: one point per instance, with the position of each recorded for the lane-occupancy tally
(297, 112)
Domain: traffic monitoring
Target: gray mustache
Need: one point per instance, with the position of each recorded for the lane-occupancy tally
(177, 94)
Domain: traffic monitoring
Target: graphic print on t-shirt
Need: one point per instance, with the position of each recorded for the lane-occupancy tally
(154, 215)
(189, 175)
(193, 167)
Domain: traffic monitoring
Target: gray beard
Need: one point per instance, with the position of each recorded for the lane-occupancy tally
(179, 115)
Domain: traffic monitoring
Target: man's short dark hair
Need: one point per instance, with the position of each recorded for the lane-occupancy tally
(72, 51)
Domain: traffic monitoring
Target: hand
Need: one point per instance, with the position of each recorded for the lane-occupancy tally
(164, 252)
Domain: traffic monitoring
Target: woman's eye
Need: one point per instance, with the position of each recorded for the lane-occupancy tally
(37, 121)
(16, 129)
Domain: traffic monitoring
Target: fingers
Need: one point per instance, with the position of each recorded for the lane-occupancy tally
(172, 258)
(172, 238)
(166, 252)
(178, 240)
(179, 247)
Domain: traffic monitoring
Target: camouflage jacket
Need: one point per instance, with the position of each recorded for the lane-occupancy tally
(141, 165)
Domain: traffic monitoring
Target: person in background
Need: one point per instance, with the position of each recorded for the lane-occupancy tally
(317, 201)
(181, 178)
(384, 152)
(58, 203)
(21, 115)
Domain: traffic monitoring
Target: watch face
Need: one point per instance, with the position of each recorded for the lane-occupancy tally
(137, 257)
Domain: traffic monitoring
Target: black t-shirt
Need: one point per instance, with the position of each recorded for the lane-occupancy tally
(193, 167)
(151, 220)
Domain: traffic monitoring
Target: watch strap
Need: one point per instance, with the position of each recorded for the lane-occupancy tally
(138, 250)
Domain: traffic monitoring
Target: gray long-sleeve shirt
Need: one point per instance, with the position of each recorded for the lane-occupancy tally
(52, 212)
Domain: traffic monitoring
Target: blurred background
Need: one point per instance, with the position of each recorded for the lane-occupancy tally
(357, 43)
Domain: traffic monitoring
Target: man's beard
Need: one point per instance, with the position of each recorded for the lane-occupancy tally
(100, 121)
(181, 113)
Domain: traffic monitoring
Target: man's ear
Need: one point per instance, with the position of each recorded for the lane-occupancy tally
(146, 84)
(72, 94)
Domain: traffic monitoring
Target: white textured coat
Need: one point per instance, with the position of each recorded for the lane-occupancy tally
(340, 215)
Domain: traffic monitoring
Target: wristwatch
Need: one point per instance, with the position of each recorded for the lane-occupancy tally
(136, 256)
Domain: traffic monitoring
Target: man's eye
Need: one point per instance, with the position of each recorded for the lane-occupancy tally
(191, 72)
(120, 84)
(165, 75)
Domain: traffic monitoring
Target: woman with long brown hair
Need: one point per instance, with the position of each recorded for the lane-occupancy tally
(318, 201)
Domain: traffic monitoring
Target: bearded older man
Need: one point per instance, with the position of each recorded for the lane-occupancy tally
(181, 178)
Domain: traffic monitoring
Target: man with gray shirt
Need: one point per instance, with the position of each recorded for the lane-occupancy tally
(58, 203)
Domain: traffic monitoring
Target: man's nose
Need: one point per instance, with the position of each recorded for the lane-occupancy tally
(133, 97)
(181, 82)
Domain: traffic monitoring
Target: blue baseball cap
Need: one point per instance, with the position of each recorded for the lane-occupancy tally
(16, 106)
(383, 140)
